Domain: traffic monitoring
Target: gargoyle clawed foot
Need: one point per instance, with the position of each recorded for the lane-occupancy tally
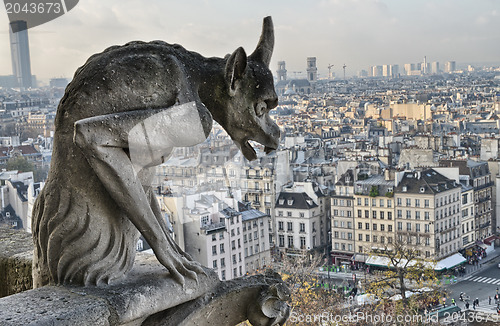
(180, 266)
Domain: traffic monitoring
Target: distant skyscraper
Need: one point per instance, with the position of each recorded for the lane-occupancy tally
(281, 71)
(435, 67)
(377, 71)
(450, 66)
(312, 70)
(20, 53)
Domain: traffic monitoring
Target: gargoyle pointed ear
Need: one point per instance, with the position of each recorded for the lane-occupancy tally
(264, 49)
(235, 67)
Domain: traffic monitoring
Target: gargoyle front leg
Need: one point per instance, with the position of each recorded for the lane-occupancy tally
(106, 143)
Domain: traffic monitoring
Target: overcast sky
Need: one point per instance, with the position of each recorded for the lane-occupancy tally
(359, 33)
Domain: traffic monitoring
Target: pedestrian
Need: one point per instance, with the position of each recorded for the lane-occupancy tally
(467, 305)
(489, 300)
(444, 301)
(474, 304)
(453, 301)
(477, 302)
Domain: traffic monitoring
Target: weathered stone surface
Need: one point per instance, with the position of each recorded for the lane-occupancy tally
(261, 299)
(147, 290)
(53, 305)
(16, 255)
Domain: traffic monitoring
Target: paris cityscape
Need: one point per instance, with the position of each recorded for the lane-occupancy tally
(382, 174)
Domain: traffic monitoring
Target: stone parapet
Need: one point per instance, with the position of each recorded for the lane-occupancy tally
(16, 256)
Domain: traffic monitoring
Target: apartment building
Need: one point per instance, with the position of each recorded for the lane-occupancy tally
(342, 208)
(255, 239)
(298, 221)
(428, 213)
(467, 219)
(478, 176)
(208, 228)
(373, 213)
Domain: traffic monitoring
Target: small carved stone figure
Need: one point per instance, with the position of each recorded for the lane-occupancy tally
(121, 115)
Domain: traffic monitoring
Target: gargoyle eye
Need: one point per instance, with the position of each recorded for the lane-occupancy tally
(260, 108)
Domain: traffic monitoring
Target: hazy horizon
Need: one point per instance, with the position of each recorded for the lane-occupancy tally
(358, 33)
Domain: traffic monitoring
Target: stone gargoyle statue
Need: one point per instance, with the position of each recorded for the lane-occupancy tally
(121, 115)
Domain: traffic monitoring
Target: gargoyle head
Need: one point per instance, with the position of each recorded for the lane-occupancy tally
(250, 96)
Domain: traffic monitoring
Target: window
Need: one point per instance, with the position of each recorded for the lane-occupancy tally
(288, 214)
(214, 264)
(280, 213)
(302, 242)
(359, 213)
(400, 226)
(359, 201)
(374, 238)
(289, 226)
(399, 202)
(367, 203)
(408, 226)
(367, 226)
(281, 240)
(336, 234)
(426, 214)
(360, 225)
(389, 228)
(400, 213)
(233, 244)
(389, 215)
(374, 214)
(426, 203)
(290, 241)
(223, 275)
(303, 227)
(367, 238)
(349, 235)
(417, 215)
(408, 214)
(214, 250)
(408, 202)
(301, 214)
(374, 202)
(367, 213)
(280, 225)
(222, 248)
(389, 203)
(360, 237)
(417, 227)
(389, 239)
(374, 226)
(382, 215)
(381, 203)
(417, 202)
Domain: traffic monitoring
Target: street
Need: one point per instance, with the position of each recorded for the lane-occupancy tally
(480, 285)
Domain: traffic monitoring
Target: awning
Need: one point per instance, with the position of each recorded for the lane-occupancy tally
(360, 258)
(383, 261)
(450, 262)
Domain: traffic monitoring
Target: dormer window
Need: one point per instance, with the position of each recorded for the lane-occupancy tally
(422, 189)
(310, 202)
(290, 202)
(281, 201)
(405, 189)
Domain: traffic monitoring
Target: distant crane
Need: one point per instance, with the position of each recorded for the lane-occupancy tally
(330, 71)
(343, 67)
